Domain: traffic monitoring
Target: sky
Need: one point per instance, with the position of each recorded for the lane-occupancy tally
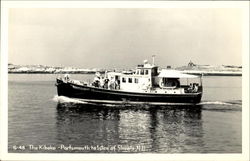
(124, 37)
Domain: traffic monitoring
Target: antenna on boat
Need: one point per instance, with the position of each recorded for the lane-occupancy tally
(153, 56)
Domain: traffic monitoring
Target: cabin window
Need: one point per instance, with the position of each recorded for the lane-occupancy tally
(138, 71)
(136, 80)
(146, 72)
(130, 80)
(124, 80)
(142, 72)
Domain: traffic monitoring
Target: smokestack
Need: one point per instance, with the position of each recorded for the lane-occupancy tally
(153, 56)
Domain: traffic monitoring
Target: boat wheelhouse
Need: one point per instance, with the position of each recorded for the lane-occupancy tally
(146, 84)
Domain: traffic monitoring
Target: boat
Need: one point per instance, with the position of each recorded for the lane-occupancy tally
(147, 84)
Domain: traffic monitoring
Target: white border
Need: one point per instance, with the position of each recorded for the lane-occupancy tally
(244, 5)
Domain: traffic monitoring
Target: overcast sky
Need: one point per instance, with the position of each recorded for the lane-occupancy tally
(117, 38)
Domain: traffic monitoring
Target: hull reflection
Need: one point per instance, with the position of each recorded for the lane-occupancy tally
(140, 129)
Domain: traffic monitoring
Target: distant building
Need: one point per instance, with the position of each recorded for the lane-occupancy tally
(191, 64)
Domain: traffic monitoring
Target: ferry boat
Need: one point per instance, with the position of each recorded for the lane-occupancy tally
(147, 84)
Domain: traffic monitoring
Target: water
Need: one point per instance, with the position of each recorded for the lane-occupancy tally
(37, 123)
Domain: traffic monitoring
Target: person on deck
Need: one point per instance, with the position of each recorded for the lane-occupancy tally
(102, 82)
(96, 82)
(195, 87)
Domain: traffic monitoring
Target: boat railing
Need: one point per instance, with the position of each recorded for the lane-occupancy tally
(185, 88)
(172, 87)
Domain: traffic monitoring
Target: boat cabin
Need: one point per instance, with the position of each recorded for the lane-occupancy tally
(147, 78)
(143, 78)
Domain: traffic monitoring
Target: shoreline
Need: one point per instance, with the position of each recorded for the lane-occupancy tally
(206, 70)
(194, 73)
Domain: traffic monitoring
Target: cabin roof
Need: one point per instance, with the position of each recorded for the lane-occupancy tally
(175, 74)
(145, 66)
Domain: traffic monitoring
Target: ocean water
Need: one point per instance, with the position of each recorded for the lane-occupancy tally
(38, 123)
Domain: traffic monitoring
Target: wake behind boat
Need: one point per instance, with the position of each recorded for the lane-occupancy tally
(147, 84)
